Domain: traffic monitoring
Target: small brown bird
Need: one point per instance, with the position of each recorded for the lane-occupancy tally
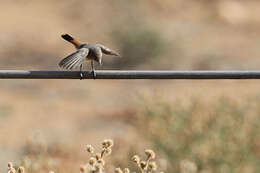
(85, 51)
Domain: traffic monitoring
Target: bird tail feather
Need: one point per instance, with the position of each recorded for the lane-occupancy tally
(70, 39)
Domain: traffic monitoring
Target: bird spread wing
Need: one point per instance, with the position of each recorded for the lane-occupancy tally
(75, 59)
(107, 51)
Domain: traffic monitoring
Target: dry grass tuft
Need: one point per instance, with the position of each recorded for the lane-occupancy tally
(147, 165)
(11, 168)
(96, 161)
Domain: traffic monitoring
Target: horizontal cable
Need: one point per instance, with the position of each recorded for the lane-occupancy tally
(131, 74)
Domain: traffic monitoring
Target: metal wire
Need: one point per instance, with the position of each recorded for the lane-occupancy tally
(132, 74)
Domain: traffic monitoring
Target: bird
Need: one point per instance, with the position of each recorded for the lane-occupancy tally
(84, 52)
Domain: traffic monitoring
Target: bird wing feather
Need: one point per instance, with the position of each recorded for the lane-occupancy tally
(75, 59)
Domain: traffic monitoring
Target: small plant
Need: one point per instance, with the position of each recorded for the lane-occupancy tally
(96, 162)
(11, 168)
(148, 165)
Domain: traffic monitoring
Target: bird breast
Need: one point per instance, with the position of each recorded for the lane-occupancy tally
(94, 54)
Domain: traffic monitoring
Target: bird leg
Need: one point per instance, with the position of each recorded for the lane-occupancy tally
(93, 70)
(81, 73)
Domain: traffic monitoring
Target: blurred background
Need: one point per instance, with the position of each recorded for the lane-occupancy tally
(197, 126)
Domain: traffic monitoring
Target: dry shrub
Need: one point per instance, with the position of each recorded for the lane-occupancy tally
(222, 136)
(95, 164)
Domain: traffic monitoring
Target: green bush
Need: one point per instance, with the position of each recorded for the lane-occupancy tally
(223, 136)
(138, 46)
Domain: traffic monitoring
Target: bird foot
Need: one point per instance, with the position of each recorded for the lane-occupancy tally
(81, 75)
(94, 74)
